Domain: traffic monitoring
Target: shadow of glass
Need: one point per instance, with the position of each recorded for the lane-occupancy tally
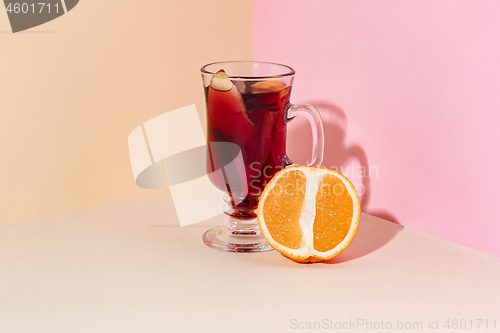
(338, 153)
(373, 233)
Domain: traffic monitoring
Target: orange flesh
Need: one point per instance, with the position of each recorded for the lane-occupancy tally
(283, 207)
(334, 211)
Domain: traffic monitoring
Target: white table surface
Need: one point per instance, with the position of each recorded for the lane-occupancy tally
(131, 268)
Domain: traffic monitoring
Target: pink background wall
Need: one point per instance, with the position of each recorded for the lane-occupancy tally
(408, 88)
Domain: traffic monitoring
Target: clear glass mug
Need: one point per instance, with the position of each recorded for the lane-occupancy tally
(248, 107)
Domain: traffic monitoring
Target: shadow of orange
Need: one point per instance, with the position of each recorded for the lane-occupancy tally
(373, 234)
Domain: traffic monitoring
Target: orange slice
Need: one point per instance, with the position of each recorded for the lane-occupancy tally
(309, 214)
(268, 86)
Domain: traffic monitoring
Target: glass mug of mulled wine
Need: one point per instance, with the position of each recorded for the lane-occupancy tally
(248, 108)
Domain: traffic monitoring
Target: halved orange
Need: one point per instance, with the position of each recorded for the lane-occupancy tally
(309, 214)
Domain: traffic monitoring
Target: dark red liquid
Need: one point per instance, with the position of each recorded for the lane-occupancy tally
(254, 122)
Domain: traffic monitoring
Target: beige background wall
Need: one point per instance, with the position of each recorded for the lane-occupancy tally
(73, 89)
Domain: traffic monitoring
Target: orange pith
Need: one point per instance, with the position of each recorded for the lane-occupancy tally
(334, 210)
(283, 207)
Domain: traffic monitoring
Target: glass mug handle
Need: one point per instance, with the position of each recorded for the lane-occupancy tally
(312, 115)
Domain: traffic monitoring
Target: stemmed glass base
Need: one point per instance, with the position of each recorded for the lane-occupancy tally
(241, 235)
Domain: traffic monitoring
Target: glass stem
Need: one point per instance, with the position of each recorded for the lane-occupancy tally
(243, 226)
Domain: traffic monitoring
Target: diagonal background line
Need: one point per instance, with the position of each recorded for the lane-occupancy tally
(64, 6)
(4, 19)
(151, 155)
(147, 144)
